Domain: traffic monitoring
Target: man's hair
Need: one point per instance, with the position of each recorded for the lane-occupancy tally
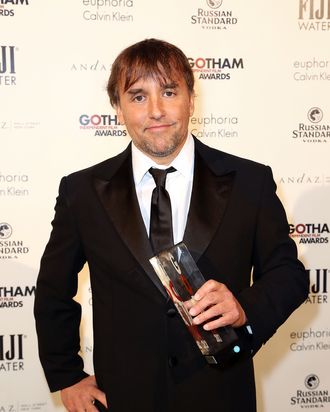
(151, 58)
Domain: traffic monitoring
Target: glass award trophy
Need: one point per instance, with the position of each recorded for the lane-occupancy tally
(181, 278)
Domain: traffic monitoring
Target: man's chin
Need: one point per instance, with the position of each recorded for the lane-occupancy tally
(159, 151)
(162, 154)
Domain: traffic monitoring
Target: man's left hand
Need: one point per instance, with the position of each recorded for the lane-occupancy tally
(215, 306)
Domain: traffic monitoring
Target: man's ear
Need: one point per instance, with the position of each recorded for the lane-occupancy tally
(119, 114)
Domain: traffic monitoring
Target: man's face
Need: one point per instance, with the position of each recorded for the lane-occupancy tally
(156, 116)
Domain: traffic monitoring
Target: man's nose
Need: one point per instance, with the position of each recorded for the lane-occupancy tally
(156, 108)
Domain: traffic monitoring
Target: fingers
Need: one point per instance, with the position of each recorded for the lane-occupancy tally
(90, 407)
(100, 396)
(81, 396)
(79, 403)
(215, 306)
(189, 303)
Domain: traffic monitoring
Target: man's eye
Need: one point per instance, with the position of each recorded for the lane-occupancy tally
(138, 98)
(169, 93)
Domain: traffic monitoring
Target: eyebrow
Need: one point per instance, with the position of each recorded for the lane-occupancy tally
(172, 85)
(133, 91)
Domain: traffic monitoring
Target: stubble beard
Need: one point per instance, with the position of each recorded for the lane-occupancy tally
(151, 150)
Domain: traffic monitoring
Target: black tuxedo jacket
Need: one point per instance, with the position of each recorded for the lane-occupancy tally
(144, 358)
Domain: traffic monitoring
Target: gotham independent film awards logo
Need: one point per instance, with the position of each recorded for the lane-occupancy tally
(7, 8)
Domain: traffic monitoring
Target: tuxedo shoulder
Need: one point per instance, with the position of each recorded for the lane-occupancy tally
(102, 169)
(242, 161)
(218, 159)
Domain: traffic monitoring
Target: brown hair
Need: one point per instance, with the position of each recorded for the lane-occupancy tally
(148, 58)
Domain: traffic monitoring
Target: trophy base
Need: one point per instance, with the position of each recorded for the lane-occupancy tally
(237, 350)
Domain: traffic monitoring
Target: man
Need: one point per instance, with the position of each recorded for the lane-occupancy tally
(225, 210)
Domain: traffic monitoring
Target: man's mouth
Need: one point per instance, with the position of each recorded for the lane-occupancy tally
(159, 127)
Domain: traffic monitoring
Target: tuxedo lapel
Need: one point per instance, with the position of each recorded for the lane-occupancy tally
(118, 196)
(212, 186)
(210, 194)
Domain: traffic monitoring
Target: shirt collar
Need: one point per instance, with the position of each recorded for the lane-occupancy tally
(183, 163)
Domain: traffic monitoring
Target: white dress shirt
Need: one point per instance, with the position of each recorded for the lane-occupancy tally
(178, 184)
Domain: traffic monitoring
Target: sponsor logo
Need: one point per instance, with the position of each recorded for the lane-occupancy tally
(311, 233)
(88, 349)
(35, 406)
(310, 340)
(9, 125)
(215, 68)
(311, 394)
(314, 131)
(13, 185)
(102, 125)
(314, 15)
(319, 281)
(96, 66)
(215, 126)
(7, 9)
(114, 11)
(311, 70)
(12, 296)
(4, 125)
(7, 65)
(10, 248)
(315, 115)
(12, 353)
(212, 16)
(5, 230)
(90, 299)
(214, 4)
(305, 179)
(312, 381)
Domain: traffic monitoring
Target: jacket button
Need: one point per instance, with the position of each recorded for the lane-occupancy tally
(171, 312)
(172, 361)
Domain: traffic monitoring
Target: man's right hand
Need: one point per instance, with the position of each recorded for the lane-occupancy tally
(81, 396)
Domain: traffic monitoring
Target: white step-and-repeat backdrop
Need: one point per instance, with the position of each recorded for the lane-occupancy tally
(263, 73)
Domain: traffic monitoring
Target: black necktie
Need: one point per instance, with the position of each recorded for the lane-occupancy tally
(161, 232)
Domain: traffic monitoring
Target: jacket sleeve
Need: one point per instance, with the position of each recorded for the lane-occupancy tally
(280, 282)
(57, 314)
